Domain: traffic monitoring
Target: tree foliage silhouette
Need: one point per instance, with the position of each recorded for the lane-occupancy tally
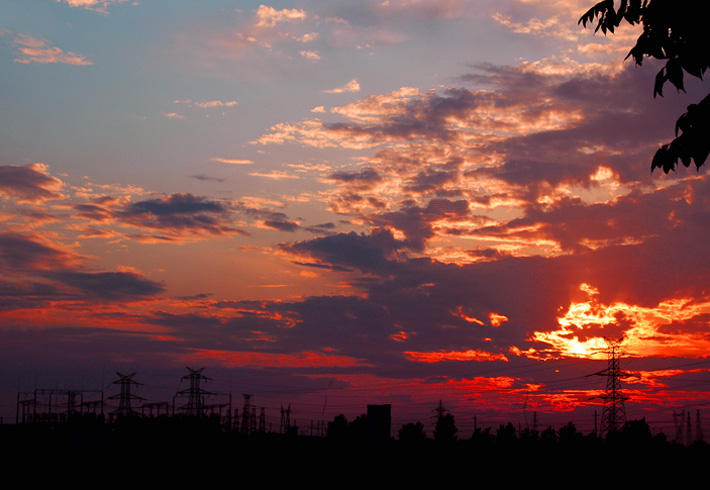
(445, 430)
(677, 33)
(338, 427)
(412, 433)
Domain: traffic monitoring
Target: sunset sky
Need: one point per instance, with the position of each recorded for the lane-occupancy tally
(333, 203)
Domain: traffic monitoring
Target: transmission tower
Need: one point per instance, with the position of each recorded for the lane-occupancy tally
(247, 415)
(698, 427)
(440, 413)
(196, 395)
(285, 419)
(679, 424)
(614, 413)
(124, 398)
(440, 410)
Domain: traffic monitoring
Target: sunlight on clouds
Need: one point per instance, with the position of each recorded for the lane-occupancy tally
(442, 356)
(559, 20)
(643, 330)
(269, 16)
(100, 6)
(172, 115)
(33, 50)
(310, 55)
(29, 183)
(274, 175)
(351, 86)
(207, 104)
(233, 161)
(374, 107)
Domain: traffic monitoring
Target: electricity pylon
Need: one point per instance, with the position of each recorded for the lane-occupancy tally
(125, 397)
(196, 395)
(614, 413)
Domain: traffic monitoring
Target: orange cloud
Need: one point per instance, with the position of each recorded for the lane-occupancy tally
(497, 319)
(351, 86)
(644, 331)
(100, 6)
(269, 16)
(441, 356)
(29, 183)
(33, 50)
(233, 161)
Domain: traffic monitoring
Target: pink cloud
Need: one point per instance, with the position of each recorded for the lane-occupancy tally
(33, 50)
(29, 183)
(269, 16)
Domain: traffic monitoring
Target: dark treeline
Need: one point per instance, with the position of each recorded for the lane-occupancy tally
(93, 435)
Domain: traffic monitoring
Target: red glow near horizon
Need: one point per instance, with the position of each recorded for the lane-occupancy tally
(264, 359)
(441, 356)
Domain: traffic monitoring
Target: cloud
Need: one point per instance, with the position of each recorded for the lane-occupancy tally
(274, 175)
(310, 55)
(210, 104)
(363, 179)
(108, 286)
(179, 214)
(29, 183)
(308, 37)
(233, 161)
(369, 253)
(207, 178)
(351, 86)
(172, 115)
(288, 226)
(95, 5)
(33, 50)
(26, 252)
(269, 16)
(37, 272)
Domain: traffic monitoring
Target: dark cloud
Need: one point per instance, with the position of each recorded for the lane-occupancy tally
(369, 253)
(28, 183)
(207, 178)
(92, 211)
(321, 228)
(363, 179)
(178, 214)
(108, 286)
(21, 252)
(280, 225)
(323, 266)
(194, 297)
(416, 222)
(431, 180)
(20, 295)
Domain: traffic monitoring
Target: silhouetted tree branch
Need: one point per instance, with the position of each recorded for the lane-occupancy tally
(674, 31)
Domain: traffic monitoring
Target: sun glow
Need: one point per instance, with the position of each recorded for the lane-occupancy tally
(645, 331)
